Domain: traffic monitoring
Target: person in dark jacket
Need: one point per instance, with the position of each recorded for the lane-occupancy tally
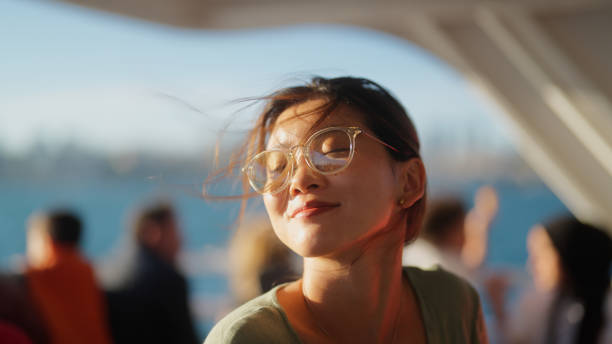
(149, 301)
(18, 313)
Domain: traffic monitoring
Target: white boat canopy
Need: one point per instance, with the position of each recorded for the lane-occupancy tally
(546, 63)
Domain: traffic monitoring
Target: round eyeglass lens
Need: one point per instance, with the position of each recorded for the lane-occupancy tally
(268, 170)
(330, 151)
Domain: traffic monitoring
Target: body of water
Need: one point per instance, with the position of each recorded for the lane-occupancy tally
(105, 207)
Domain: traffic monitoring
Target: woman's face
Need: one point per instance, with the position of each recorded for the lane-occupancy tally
(544, 261)
(38, 247)
(321, 215)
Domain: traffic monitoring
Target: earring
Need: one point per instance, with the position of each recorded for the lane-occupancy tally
(401, 202)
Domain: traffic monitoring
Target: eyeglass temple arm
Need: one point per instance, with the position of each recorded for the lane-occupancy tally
(380, 141)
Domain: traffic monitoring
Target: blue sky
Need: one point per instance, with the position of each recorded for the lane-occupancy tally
(70, 74)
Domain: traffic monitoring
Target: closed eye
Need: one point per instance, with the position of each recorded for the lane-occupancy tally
(336, 152)
(277, 168)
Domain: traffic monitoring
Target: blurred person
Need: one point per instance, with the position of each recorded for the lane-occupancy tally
(337, 164)
(12, 334)
(60, 301)
(452, 237)
(148, 301)
(258, 260)
(19, 316)
(570, 299)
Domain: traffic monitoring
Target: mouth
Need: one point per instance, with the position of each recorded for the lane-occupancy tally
(313, 208)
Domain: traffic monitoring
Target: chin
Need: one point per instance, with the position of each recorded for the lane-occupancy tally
(313, 252)
(306, 240)
(316, 241)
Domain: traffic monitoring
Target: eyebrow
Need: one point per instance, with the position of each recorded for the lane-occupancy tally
(279, 145)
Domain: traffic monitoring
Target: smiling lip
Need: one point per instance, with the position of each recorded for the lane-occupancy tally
(313, 208)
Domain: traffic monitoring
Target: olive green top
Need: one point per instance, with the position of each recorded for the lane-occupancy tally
(449, 306)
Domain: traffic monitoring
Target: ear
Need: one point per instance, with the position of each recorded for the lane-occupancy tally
(412, 181)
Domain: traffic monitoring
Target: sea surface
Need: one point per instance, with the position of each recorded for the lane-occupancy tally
(105, 206)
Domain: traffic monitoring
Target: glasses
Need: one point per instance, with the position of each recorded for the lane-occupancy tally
(327, 151)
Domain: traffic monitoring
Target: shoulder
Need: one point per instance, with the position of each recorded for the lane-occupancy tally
(11, 278)
(260, 320)
(450, 306)
(11, 286)
(441, 283)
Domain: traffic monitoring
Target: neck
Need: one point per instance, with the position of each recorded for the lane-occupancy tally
(356, 297)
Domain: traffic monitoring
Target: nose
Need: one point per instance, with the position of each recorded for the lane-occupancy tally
(304, 179)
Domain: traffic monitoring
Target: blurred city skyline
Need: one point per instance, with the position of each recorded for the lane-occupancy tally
(109, 84)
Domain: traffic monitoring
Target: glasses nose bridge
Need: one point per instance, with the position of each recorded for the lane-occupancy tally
(295, 153)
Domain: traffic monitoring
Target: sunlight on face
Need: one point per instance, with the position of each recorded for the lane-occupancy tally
(38, 243)
(320, 215)
(543, 259)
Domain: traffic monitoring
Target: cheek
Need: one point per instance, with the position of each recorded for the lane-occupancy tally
(275, 207)
(370, 198)
(552, 268)
(545, 268)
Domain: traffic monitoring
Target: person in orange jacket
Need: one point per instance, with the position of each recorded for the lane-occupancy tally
(59, 282)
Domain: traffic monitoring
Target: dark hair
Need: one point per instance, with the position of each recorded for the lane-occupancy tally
(585, 253)
(441, 216)
(64, 227)
(382, 113)
(158, 213)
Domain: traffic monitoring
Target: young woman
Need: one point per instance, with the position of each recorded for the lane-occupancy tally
(337, 163)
